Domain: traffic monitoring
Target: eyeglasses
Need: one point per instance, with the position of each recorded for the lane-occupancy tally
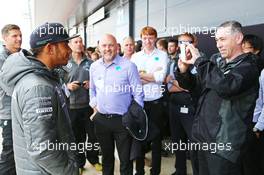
(185, 42)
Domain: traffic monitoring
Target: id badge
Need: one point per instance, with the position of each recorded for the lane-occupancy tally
(184, 110)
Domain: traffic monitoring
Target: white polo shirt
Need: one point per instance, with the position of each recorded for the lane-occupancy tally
(150, 63)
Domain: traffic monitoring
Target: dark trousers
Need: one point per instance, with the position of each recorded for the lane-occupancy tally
(83, 126)
(155, 155)
(7, 162)
(212, 164)
(110, 131)
(154, 113)
(253, 154)
(181, 129)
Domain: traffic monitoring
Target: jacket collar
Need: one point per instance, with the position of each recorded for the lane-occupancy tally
(7, 52)
(224, 66)
(84, 58)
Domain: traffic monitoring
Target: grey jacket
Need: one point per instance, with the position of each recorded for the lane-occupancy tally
(5, 101)
(41, 126)
(79, 98)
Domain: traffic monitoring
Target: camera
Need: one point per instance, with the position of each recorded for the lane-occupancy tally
(80, 83)
(183, 45)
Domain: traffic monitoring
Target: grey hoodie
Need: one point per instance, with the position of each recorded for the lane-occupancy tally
(5, 101)
(40, 118)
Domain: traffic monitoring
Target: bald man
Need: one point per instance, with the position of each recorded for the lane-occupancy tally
(114, 81)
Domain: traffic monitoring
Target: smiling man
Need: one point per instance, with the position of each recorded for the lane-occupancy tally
(228, 93)
(110, 99)
(152, 66)
(12, 42)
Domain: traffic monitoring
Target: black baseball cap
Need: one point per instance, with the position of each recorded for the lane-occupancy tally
(49, 33)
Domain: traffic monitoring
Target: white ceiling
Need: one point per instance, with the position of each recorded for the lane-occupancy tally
(202, 12)
(43, 11)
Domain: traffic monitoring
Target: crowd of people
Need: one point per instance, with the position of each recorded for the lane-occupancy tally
(62, 104)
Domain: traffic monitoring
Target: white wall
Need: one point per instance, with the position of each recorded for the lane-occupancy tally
(188, 14)
(181, 16)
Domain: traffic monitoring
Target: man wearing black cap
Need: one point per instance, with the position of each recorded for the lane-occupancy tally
(42, 132)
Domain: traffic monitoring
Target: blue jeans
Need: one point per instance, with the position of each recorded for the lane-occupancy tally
(7, 162)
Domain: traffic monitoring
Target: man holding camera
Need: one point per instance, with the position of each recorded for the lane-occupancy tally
(77, 80)
(228, 90)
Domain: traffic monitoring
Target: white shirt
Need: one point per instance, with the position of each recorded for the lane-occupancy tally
(150, 63)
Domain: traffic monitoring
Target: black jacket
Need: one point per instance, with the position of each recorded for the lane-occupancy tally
(228, 93)
(135, 121)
